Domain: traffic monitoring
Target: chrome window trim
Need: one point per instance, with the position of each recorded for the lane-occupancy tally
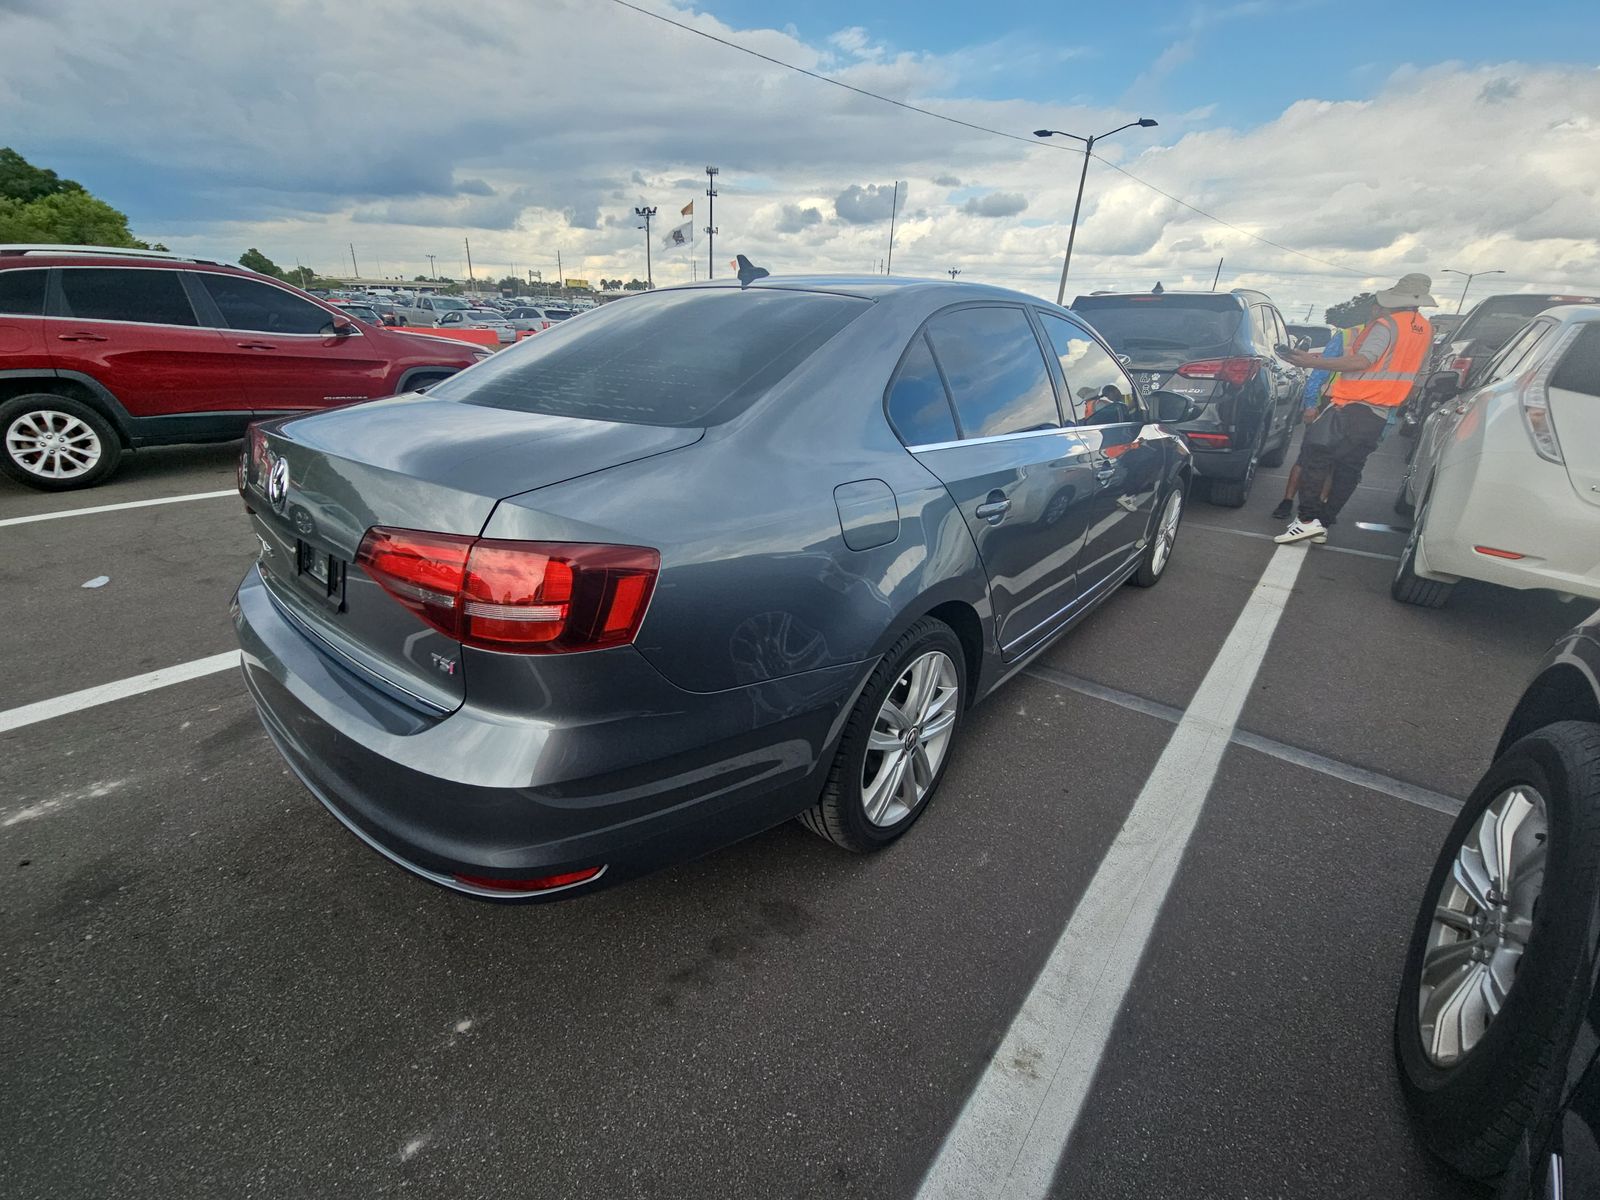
(997, 437)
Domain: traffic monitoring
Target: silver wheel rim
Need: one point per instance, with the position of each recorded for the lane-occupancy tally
(52, 444)
(910, 738)
(1481, 924)
(1167, 533)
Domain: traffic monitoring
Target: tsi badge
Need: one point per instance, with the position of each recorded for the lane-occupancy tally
(278, 482)
(447, 665)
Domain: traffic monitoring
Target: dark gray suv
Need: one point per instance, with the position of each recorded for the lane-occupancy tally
(711, 558)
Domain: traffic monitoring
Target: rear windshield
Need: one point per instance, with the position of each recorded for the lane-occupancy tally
(678, 358)
(1133, 324)
(1492, 323)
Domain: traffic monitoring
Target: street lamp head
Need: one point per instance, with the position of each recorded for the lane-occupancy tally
(1043, 132)
(1148, 122)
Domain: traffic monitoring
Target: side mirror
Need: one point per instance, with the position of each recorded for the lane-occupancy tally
(1442, 384)
(1170, 408)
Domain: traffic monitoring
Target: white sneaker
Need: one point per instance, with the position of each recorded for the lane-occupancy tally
(1303, 531)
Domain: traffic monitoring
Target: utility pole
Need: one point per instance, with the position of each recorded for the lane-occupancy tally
(561, 275)
(471, 283)
(893, 205)
(353, 268)
(954, 271)
(433, 271)
(1217, 276)
(647, 214)
(711, 222)
(1309, 307)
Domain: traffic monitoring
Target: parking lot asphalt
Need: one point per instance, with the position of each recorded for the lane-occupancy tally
(211, 989)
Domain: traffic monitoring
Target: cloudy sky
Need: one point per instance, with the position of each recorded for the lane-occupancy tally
(1464, 135)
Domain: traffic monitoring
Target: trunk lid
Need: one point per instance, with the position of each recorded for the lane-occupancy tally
(415, 462)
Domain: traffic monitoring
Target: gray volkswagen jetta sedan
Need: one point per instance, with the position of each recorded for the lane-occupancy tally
(711, 558)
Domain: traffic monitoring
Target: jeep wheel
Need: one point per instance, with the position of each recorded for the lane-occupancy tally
(55, 443)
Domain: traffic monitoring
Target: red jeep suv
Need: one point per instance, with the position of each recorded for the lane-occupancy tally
(105, 350)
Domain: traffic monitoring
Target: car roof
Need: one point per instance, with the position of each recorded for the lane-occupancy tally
(1243, 295)
(870, 287)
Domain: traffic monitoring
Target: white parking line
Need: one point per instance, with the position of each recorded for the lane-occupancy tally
(1010, 1135)
(105, 508)
(1267, 537)
(1373, 781)
(60, 706)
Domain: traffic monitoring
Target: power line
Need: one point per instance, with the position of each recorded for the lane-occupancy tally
(938, 116)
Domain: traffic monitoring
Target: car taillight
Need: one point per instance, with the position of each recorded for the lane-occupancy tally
(1213, 441)
(257, 444)
(1229, 370)
(527, 887)
(1461, 364)
(517, 597)
(1535, 396)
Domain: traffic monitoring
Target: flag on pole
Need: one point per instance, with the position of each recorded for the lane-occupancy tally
(678, 235)
(687, 210)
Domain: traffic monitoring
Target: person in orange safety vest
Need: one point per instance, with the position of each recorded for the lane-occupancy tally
(1375, 376)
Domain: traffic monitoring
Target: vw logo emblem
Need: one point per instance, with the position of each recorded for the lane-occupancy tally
(278, 483)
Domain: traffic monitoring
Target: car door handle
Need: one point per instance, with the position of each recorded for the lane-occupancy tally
(992, 509)
(255, 345)
(79, 337)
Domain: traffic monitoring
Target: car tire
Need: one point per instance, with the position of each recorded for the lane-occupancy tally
(1501, 1078)
(853, 814)
(1163, 536)
(91, 452)
(1410, 588)
(1234, 493)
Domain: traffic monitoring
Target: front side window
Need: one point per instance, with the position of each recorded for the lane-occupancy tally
(919, 408)
(22, 293)
(262, 308)
(148, 296)
(996, 373)
(1579, 368)
(1100, 391)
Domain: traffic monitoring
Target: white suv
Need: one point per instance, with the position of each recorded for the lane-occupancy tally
(1506, 478)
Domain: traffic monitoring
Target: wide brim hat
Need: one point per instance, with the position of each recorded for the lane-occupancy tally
(1410, 291)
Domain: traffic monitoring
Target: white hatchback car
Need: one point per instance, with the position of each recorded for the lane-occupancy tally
(1506, 477)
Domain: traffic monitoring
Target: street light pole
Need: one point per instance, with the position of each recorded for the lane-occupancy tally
(433, 271)
(1088, 150)
(1470, 275)
(711, 222)
(954, 271)
(647, 214)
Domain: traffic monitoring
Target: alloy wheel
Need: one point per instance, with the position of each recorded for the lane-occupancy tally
(1482, 921)
(910, 738)
(1167, 532)
(52, 444)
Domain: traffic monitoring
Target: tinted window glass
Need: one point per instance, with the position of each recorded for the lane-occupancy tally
(22, 292)
(1152, 328)
(1260, 326)
(262, 308)
(1579, 368)
(1101, 394)
(681, 358)
(1280, 335)
(918, 406)
(996, 374)
(1317, 335)
(123, 294)
(1493, 322)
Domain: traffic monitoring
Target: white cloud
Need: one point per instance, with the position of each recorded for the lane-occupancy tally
(302, 126)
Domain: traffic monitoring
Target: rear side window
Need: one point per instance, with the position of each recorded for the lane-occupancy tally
(22, 293)
(152, 297)
(919, 409)
(262, 308)
(995, 369)
(1100, 392)
(1516, 351)
(1579, 368)
(699, 356)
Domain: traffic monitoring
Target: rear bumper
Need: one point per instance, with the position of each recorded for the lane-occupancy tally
(631, 773)
(1511, 501)
(1219, 464)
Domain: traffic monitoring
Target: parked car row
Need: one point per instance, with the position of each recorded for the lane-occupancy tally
(103, 351)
